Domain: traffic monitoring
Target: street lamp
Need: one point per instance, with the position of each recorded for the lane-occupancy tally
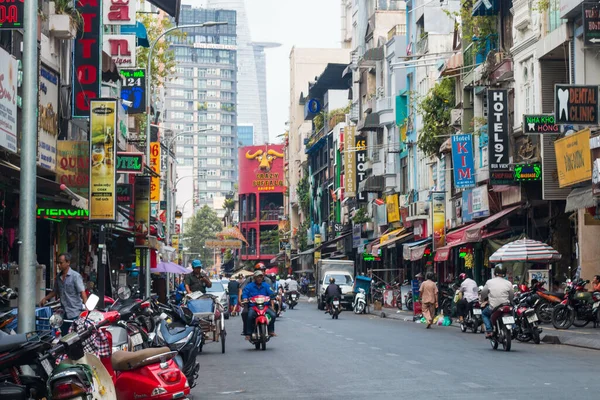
(149, 87)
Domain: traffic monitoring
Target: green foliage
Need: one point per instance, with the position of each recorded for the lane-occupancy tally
(67, 7)
(303, 192)
(269, 241)
(361, 216)
(229, 204)
(541, 5)
(198, 229)
(474, 26)
(435, 110)
(302, 235)
(319, 121)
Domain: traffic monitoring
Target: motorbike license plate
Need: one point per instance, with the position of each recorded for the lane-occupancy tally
(136, 339)
(532, 318)
(508, 320)
(477, 311)
(336, 303)
(293, 297)
(597, 304)
(47, 366)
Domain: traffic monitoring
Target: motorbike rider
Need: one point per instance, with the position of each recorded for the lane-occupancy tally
(255, 288)
(197, 280)
(498, 291)
(332, 291)
(291, 284)
(469, 290)
(258, 267)
(304, 282)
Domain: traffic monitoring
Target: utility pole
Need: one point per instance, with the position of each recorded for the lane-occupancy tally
(27, 196)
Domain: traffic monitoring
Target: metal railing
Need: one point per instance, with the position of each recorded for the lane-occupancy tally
(423, 45)
(385, 104)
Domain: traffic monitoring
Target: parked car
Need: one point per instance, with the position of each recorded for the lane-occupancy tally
(220, 291)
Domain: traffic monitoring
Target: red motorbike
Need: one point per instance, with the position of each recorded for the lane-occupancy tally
(502, 321)
(260, 336)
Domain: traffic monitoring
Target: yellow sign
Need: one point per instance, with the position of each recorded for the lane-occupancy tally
(349, 163)
(573, 158)
(175, 241)
(224, 244)
(155, 166)
(393, 208)
(103, 123)
(438, 205)
(267, 181)
(317, 254)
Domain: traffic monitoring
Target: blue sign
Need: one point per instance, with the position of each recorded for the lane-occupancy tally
(467, 208)
(463, 161)
(415, 285)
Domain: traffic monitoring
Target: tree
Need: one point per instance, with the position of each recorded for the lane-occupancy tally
(202, 227)
(435, 109)
(229, 206)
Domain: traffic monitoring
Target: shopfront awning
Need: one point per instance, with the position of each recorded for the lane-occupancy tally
(443, 253)
(580, 198)
(333, 241)
(373, 184)
(140, 32)
(392, 241)
(414, 251)
(369, 123)
(278, 258)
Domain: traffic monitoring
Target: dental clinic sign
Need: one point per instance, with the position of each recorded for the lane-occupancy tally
(576, 104)
(498, 137)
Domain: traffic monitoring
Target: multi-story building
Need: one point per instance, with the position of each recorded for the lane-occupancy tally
(202, 99)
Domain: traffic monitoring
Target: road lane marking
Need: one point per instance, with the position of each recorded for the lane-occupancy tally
(437, 372)
(339, 335)
(349, 338)
(413, 362)
(474, 385)
(361, 343)
(328, 332)
(391, 354)
(375, 348)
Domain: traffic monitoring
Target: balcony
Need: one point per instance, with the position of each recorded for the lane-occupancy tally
(423, 44)
(398, 30)
(354, 112)
(270, 215)
(385, 108)
(269, 249)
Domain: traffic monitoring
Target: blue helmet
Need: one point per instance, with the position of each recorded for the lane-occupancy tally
(196, 264)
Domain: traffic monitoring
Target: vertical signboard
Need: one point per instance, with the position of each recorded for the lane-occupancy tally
(438, 207)
(103, 123)
(121, 48)
(47, 118)
(480, 203)
(119, 12)
(393, 208)
(133, 89)
(8, 101)
(576, 104)
(317, 255)
(86, 57)
(591, 24)
(573, 158)
(349, 163)
(155, 166)
(463, 161)
(498, 137)
(11, 14)
(73, 165)
(361, 166)
(142, 209)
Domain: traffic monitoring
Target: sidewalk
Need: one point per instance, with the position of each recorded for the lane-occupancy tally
(587, 337)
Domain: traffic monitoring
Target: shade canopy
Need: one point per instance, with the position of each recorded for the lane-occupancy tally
(525, 250)
(169, 267)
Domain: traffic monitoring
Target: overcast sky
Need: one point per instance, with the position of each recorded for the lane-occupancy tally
(300, 23)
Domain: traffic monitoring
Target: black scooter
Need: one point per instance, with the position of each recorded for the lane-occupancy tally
(292, 299)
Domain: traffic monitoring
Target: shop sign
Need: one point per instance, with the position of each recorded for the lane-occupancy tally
(62, 213)
(267, 181)
(349, 163)
(47, 118)
(356, 236)
(498, 136)
(130, 163)
(591, 24)
(103, 124)
(261, 169)
(540, 123)
(392, 207)
(142, 209)
(73, 165)
(317, 253)
(576, 104)
(8, 101)
(224, 244)
(420, 229)
(438, 206)
(86, 58)
(528, 172)
(573, 158)
(121, 48)
(361, 165)
(480, 202)
(11, 14)
(119, 12)
(155, 166)
(463, 161)
(467, 206)
(133, 89)
(125, 194)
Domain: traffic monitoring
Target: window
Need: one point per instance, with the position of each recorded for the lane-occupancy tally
(213, 104)
(404, 171)
(177, 115)
(177, 92)
(188, 162)
(226, 73)
(227, 130)
(179, 149)
(201, 151)
(188, 151)
(212, 93)
(213, 184)
(201, 185)
(212, 161)
(213, 117)
(213, 82)
(177, 103)
(554, 20)
(226, 85)
(212, 139)
(212, 150)
(202, 140)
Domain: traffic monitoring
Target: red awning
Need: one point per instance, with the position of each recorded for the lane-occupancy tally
(443, 253)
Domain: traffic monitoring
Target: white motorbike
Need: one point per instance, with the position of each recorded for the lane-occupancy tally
(360, 302)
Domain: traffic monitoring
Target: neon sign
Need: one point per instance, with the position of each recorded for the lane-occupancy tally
(62, 213)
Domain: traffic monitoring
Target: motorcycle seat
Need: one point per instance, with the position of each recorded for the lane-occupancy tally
(127, 360)
(555, 294)
(11, 342)
(173, 335)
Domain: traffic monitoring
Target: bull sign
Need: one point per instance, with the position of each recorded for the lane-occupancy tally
(265, 159)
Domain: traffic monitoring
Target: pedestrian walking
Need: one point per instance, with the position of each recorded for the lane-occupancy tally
(428, 294)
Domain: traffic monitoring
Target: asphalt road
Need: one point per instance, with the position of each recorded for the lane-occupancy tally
(358, 357)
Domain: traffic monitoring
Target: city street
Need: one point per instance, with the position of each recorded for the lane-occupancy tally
(357, 357)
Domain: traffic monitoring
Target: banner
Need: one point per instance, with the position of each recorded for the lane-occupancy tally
(155, 166)
(349, 162)
(142, 209)
(498, 137)
(573, 158)
(463, 163)
(73, 165)
(393, 208)
(86, 58)
(480, 202)
(8, 101)
(361, 166)
(47, 118)
(125, 194)
(438, 206)
(103, 123)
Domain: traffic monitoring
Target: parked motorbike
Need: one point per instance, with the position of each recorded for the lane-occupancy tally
(292, 299)
(360, 301)
(578, 308)
(334, 308)
(526, 325)
(260, 336)
(502, 322)
(473, 320)
(408, 300)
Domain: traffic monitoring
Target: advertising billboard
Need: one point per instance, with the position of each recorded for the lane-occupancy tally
(261, 169)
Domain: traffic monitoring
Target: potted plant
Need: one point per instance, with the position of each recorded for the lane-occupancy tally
(361, 217)
(65, 19)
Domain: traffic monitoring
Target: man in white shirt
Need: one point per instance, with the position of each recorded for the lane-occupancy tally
(498, 291)
(469, 291)
(291, 284)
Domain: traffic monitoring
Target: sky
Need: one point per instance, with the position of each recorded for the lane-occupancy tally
(299, 23)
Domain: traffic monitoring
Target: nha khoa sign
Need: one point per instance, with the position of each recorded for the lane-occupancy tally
(86, 57)
(540, 123)
(261, 168)
(133, 89)
(463, 161)
(573, 158)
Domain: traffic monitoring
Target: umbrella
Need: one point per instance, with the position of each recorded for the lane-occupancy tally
(525, 250)
(170, 267)
(231, 231)
(274, 270)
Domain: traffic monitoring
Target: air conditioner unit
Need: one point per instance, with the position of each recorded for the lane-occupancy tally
(417, 208)
(456, 117)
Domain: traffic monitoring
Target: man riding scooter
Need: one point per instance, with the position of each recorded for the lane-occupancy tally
(333, 290)
(258, 267)
(469, 290)
(498, 291)
(256, 288)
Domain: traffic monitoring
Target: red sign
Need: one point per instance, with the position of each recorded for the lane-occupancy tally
(11, 14)
(119, 12)
(86, 58)
(261, 169)
(420, 229)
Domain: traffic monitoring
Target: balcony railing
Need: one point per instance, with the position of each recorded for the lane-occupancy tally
(398, 30)
(476, 53)
(385, 104)
(423, 45)
(270, 215)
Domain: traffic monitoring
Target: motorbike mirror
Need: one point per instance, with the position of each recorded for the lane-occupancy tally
(124, 293)
(92, 302)
(56, 321)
